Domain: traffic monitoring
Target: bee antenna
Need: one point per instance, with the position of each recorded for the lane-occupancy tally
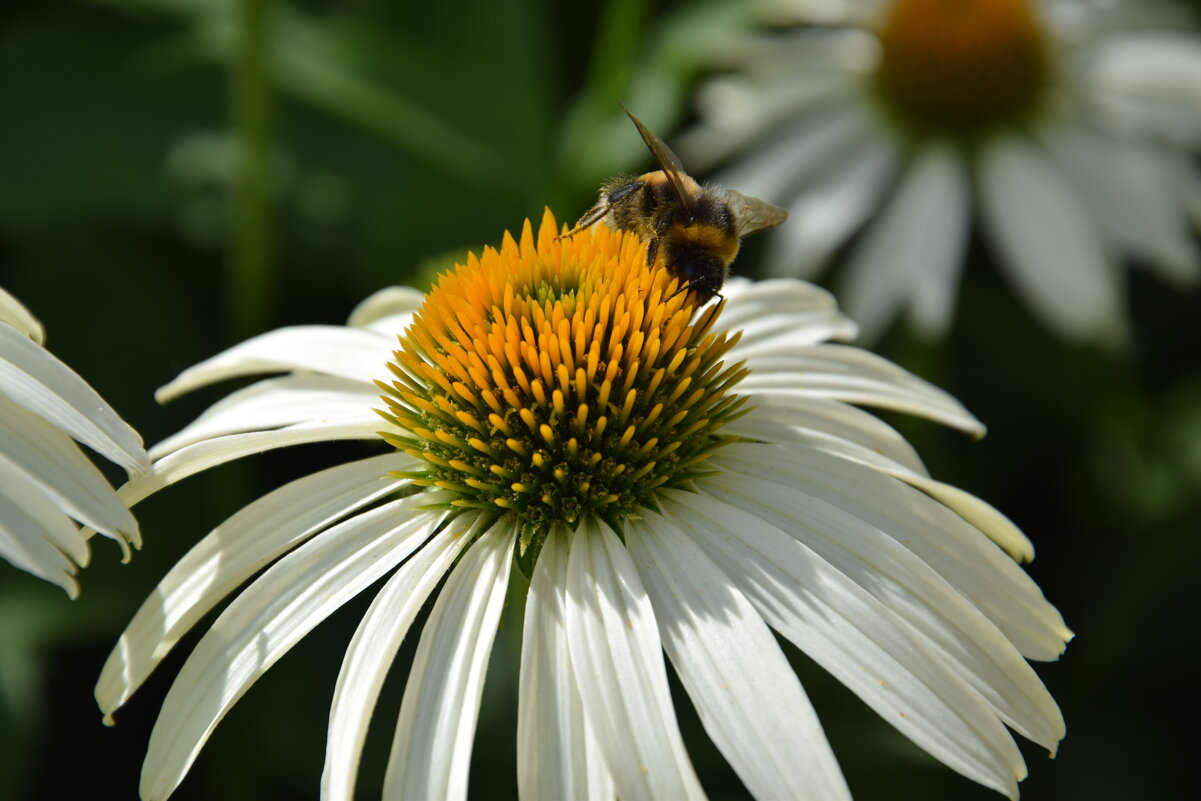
(683, 288)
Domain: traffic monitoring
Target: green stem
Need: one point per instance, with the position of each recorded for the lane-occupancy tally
(251, 275)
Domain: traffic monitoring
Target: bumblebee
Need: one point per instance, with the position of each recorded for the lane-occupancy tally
(695, 229)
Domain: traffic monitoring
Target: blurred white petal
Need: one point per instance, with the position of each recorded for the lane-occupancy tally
(1153, 80)
(825, 214)
(912, 254)
(1052, 248)
(1126, 188)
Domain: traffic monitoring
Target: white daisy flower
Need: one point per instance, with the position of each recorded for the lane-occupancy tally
(670, 480)
(1064, 124)
(47, 485)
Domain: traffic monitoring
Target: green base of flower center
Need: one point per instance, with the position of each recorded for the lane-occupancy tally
(961, 68)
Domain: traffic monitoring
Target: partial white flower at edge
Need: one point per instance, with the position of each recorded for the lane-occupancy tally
(48, 486)
(1067, 129)
(804, 515)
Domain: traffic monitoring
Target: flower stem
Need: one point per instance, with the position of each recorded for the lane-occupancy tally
(251, 273)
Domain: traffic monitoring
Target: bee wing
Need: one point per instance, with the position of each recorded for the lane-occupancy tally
(752, 215)
(668, 161)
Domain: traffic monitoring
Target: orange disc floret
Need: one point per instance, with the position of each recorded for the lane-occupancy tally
(559, 377)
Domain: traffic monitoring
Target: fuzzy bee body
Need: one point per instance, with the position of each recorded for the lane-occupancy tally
(696, 230)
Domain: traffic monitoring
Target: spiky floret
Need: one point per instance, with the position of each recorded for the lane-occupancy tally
(558, 378)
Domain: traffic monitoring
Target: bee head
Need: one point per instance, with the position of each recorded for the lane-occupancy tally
(699, 269)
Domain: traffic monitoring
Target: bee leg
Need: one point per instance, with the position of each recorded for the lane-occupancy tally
(590, 218)
(652, 250)
(610, 198)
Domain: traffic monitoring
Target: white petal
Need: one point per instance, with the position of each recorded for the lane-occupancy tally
(266, 620)
(854, 375)
(846, 432)
(827, 425)
(618, 661)
(1051, 249)
(35, 379)
(751, 301)
(1186, 183)
(825, 215)
(388, 311)
(781, 314)
(557, 753)
(974, 646)
(1152, 78)
(352, 353)
(912, 254)
(738, 112)
(1125, 185)
(777, 168)
(13, 312)
(32, 503)
(29, 521)
(275, 403)
(819, 67)
(996, 526)
(50, 459)
(431, 752)
(747, 695)
(233, 552)
(855, 637)
(192, 459)
(959, 552)
(370, 655)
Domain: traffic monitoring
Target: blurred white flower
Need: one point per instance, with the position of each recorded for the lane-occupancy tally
(1064, 124)
(553, 413)
(47, 485)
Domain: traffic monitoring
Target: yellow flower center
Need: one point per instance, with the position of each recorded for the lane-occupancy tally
(962, 68)
(559, 378)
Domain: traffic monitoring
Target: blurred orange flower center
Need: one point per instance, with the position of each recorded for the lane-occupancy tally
(961, 68)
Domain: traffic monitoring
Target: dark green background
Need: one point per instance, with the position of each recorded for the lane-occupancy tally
(402, 135)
